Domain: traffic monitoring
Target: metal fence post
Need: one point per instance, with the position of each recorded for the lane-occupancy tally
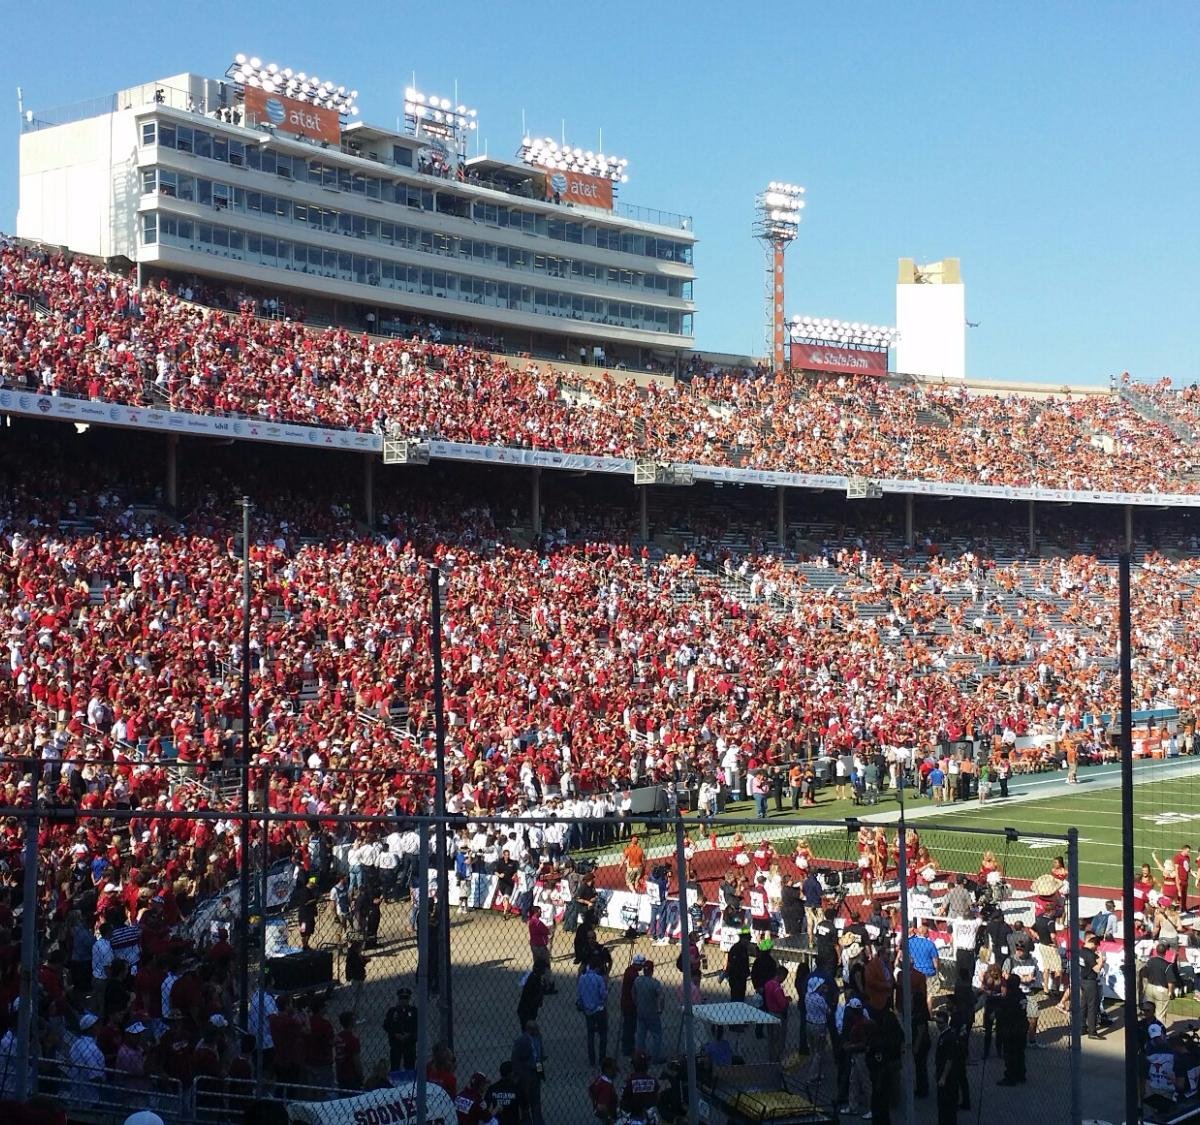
(689, 1026)
(264, 861)
(29, 901)
(445, 989)
(422, 967)
(907, 1070)
(1073, 954)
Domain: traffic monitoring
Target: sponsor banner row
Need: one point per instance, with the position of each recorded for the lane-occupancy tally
(249, 429)
(170, 421)
(836, 357)
(540, 458)
(290, 115)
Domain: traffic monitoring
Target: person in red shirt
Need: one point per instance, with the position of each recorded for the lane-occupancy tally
(603, 1091)
(347, 1054)
(539, 941)
(318, 1050)
(470, 1102)
(1183, 871)
(288, 1035)
(440, 1069)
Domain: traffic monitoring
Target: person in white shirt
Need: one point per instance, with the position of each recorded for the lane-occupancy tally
(85, 1063)
(258, 1017)
(729, 763)
(102, 957)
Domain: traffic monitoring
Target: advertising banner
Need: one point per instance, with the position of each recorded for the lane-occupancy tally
(293, 116)
(390, 1106)
(92, 412)
(832, 357)
(575, 187)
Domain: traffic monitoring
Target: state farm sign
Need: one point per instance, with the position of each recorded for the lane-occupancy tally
(293, 116)
(830, 357)
(575, 187)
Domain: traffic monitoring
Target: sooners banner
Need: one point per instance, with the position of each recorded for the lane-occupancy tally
(830, 357)
(293, 116)
(395, 1105)
(575, 187)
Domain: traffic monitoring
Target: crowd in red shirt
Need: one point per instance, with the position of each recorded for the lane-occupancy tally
(103, 339)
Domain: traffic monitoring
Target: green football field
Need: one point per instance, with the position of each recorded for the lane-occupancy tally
(1166, 809)
(1166, 816)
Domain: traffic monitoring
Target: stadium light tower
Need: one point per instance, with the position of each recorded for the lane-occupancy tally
(271, 78)
(440, 118)
(777, 214)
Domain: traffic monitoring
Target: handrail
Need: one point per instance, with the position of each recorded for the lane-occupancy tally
(107, 1094)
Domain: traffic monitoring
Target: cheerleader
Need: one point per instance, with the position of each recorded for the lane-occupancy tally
(1170, 880)
(880, 855)
(1143, 887)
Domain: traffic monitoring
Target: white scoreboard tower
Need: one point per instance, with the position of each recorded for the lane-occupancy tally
(931, 319)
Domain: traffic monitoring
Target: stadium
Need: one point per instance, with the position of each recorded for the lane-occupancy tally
(403, 615)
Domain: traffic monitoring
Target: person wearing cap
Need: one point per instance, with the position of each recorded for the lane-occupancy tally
(400, 1027)
(131, 1054)
(306, 914)
(84, 1069)
(1159, 1073)
(1012, 1031)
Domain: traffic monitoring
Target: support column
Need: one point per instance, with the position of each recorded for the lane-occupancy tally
(910, 537)
(1032, 529)
(644, 512)
(535, 501)
(1129, 528)
(781, 516)
(369, 489)
(173, 471)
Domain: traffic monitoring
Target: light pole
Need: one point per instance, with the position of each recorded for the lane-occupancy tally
(244, 874)
(445, 993)
(777, 215)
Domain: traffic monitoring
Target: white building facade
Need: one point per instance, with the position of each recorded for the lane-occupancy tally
(178, 177)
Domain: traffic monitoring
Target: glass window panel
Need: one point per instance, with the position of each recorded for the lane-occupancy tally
(203, 142)
(149, 130)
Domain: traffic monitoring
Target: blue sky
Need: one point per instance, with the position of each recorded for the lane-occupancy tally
(1053, 147)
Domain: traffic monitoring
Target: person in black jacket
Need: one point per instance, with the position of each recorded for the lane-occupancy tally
(764, 967)
(533, 991)
(400, 1027)
(737, 966)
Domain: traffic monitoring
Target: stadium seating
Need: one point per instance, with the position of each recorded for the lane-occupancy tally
(71, 328)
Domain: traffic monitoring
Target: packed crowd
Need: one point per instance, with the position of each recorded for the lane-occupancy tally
(575, 672)
(104, 339)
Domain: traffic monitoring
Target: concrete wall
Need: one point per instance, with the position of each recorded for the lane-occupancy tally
(79, 185)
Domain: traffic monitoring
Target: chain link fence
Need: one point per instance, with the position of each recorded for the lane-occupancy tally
(534, 977)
